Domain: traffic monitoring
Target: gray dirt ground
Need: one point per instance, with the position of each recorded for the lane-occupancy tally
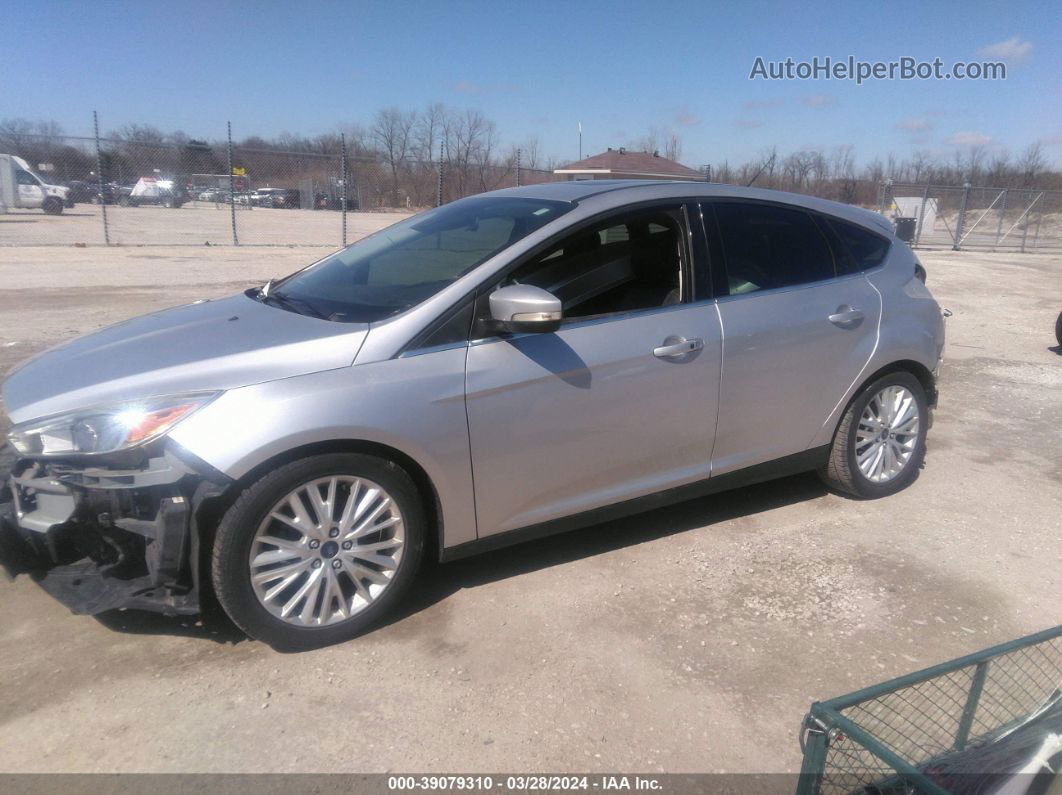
(688, 639)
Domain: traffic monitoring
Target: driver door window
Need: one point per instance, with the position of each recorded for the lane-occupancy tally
(633, 262)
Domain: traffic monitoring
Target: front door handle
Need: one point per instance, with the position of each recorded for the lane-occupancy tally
(846, 316)
(674, 347)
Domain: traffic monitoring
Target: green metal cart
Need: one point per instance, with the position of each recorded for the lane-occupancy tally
(938, 729)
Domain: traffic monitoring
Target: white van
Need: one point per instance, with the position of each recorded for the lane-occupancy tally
(20, 187)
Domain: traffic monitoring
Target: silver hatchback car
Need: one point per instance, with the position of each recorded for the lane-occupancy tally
(503, 367)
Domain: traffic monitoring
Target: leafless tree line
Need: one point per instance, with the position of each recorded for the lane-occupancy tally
(833, 174)
(395, 160)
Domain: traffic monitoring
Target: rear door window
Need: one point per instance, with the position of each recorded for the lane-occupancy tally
(859, 248)
(767, 246)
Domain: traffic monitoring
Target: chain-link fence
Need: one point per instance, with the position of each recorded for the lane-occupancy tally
(1004, 219)
(144, 189)
(195, 191)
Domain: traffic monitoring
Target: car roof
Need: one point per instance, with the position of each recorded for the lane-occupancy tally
(609, 193)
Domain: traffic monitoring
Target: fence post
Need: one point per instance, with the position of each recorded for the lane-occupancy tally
(881, 198)
(518, 168)
(1002, 212)
(232, 191)
(343, 172)
(921, 216)
(1039, 219)
(439, 184)
(962, 217)
(99, 178)
(814, 745)
(1025, 225)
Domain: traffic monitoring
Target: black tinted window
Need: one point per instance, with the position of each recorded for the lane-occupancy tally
(767, 247)
(860, 249)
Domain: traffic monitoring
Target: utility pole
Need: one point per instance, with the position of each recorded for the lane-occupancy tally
(580, 140)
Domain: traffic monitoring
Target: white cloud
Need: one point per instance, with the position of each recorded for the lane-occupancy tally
(914, 125)
(1012, 49)
(967, 138)
(748, 124)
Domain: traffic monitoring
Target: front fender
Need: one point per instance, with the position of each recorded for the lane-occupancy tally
(415, 405)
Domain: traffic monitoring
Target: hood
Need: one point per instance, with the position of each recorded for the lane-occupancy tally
(218, 344)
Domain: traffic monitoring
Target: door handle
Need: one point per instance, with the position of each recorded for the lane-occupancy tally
(678, 346)
(846, 316)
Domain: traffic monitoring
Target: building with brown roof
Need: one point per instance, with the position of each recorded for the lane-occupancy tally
(621, 164)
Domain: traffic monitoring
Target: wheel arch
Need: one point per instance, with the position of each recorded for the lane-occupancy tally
(917, 369)
(211, 503)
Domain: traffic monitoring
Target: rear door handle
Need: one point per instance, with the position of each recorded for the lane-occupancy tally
(674, 347)
(846, 316)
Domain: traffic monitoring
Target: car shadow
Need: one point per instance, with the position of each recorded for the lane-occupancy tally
(438, 581)
(1057, 350)
(212, 625)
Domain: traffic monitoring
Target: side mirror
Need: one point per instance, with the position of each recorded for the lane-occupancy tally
(523, 308)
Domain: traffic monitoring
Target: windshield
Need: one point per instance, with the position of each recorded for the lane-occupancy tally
(404, 264)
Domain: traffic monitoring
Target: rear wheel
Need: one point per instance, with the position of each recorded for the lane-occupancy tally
(1058, 328)
(319, 550)
(52, 205)
(880, 443)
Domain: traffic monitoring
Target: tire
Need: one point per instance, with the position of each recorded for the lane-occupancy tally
(842, 470)
(167, 202)
(96, 199)
(125, 201)
(251, 518)
(52, 206)
(1058, 328)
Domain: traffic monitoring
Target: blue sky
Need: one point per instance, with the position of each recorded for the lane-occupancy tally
(540, 68)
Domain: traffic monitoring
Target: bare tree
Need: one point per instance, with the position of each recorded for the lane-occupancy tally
(673, 147)
(1031, 164)
(392, 130)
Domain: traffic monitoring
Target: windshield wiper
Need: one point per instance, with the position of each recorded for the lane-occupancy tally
(296, 305)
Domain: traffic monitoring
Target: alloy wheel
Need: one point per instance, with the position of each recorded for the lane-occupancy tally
(887, 434)
(326, 550)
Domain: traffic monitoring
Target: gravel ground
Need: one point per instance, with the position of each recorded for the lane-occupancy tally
(689, 639)
(197, 223)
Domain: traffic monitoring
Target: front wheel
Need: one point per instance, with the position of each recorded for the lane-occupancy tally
(880, 443)
(52, 206)
(319, 550)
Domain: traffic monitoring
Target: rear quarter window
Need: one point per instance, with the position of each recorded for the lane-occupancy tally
(859, 248)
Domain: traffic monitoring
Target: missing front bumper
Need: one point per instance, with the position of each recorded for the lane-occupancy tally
(100, 539)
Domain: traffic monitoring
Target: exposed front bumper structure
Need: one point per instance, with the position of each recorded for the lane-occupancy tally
(101, 535)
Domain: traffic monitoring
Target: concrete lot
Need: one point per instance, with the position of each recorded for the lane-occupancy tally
(688, 639)
(196, 224)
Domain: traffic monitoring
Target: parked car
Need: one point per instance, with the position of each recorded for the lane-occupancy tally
(21, 187)
(111, 193)
(153, 190)
(217, 195)
(80, 191)
(325, 201)
(286, 198)
(496, 369)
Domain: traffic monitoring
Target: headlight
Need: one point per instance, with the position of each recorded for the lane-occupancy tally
(106, 429)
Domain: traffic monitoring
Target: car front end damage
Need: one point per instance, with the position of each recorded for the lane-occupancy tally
(107, 532)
